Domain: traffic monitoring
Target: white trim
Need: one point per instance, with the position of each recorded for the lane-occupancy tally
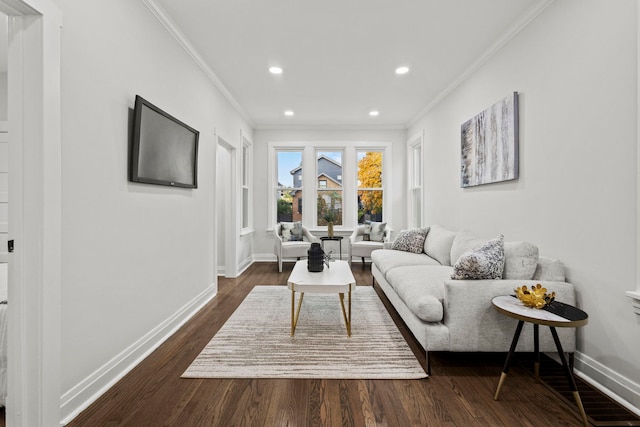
(621, 389)
(92, 387)
(506, 37)
(173, 29)
(232, 230)
(327, 126)
(416, 141)
(35, 269)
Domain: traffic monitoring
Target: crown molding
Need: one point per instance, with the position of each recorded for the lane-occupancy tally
(173, 29)
(328, 127)
(506, 37)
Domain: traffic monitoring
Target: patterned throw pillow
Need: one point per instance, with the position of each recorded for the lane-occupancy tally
(483, 262)
(410, 240)
(291, 231)
(377, 231)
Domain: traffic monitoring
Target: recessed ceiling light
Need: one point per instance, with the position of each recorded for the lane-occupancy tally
(288, 113)
(373, 113)
(275, 70)
(402, 70)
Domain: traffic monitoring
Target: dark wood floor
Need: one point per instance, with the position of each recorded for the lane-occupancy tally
(459, 392)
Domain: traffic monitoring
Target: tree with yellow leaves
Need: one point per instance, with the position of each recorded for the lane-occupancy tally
(370, 177)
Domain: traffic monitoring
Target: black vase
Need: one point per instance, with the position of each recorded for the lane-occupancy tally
(315, 261)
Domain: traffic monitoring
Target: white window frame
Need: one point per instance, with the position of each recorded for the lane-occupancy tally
(415, 178)
(318, 188)
(349, 178)
(247, 179)
(367, 150)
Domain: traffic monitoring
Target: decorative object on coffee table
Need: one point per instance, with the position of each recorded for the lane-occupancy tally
(555, 314)
(315, 259)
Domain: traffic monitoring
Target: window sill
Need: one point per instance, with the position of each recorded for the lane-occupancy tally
(246, 232)
(635, 296)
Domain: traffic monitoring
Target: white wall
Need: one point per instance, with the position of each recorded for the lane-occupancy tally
(575, 67)
(133, 254)
(263, 240)
(3, 96)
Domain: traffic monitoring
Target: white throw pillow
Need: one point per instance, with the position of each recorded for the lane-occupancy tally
(438, 244)
(291, 231)
(376, 233)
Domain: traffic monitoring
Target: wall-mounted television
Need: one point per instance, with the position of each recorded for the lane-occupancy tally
(164, 150)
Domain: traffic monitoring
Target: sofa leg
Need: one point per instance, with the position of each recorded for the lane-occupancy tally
(363, 263)
(428, 361)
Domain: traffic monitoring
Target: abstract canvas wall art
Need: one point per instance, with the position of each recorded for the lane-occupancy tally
(489, 144)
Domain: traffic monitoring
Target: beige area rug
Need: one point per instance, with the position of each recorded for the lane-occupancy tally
(256, 341)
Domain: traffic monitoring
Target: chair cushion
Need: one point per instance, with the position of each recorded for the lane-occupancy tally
(483, 262)
(363, 248)
(410, 240)
(291, 231)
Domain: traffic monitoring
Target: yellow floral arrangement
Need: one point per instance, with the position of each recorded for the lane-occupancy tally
(537, 297)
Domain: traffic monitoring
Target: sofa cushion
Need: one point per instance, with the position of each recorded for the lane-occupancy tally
(292, 231)
(483, 262)
(465, 241)
(386, 259)
(421, 288)
(438, 244)
(520, 260)
(549, 269)
(410, 240)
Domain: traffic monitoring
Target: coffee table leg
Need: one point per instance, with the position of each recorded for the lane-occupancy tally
(294, 318)
(567, 371)
(512, 350)
(347, 319)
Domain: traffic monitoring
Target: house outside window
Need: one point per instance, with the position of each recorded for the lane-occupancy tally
(329, 191)
(289, 186)
(337, 190)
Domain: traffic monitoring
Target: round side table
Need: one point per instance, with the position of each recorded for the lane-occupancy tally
(555, 315)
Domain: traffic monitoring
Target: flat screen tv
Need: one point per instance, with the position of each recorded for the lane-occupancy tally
(164, 150)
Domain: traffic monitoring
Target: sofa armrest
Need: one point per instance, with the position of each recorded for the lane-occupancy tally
(474, 324)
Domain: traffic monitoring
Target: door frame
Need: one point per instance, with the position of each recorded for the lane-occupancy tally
(230, 211)
(35, 213)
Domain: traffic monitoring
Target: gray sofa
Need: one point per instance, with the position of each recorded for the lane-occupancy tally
(457, 315)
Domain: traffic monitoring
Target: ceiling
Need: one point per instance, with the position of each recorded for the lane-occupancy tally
(339, 56)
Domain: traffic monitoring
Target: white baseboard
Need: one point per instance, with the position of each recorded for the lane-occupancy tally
(88, 390)
(621, 389)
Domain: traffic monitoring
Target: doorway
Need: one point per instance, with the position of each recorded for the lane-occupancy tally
(225, 211)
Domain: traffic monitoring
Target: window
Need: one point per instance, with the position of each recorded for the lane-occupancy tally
(415, 182)
(334, 192)
(246, 179)
(329, 190)
(289, 186)
(370, 188)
